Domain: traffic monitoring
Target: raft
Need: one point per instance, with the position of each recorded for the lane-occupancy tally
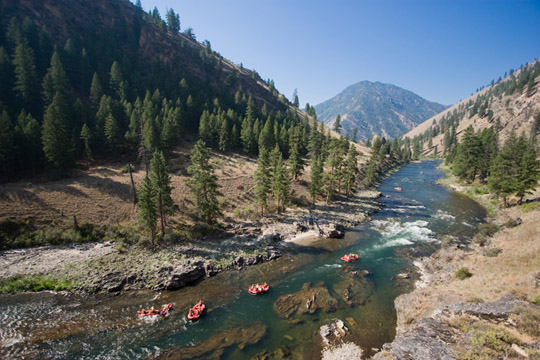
(258, 289)
(165, 309)
(349, 257)
(150, 312)
(196, 311)
(397, 188)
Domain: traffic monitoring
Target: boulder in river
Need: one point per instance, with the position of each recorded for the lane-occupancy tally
(214, 347)
(355, 288)
(308, 300)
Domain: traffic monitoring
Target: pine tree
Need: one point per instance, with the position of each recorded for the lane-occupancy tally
(315, 179)
(113, 134)
(55, 81)
(55, 138)
(224, 136)
(147, 207)
(337, 124)
(350, 170)
(467, 160)
(86, 137)
(7, 144)
(173, 21)
(161, 181)
(266, 138)
(529, 173)
(355, 135)
(28, 133)
(372, 171)
(203, 183)
(263, 179)
(7, 76)
(117, 84)
(26, 78)
(295, 159)
(281, 185)
(96, 92)
(296, 102)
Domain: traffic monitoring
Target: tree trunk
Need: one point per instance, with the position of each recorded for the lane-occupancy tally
(505, 205)
(134, 191)
(162, 216)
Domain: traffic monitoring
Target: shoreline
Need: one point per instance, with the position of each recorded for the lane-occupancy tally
(106, 267)
(445, 317)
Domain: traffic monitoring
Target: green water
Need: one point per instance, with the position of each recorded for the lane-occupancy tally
(103, 327)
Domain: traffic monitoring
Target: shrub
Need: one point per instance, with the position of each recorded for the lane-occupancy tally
(480, 239)
(494, 337)
(487, 229)
(492, 252)
(512, 223)
(125, 169)
(529, 320)
(34, 283)
(462, 273)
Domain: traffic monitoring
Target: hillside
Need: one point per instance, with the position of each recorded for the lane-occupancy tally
(375, 108)
(118, 73)
(511, 104)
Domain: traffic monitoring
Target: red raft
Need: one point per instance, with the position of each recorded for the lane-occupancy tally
(196, 311)
(152, 312)
(349, 257)
(165, 309)
(258, 289)
(397, 188)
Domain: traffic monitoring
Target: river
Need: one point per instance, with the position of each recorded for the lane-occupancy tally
(238, 325)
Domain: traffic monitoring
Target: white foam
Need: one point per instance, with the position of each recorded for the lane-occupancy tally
(395, 233)
(443, 215)
(466, 224)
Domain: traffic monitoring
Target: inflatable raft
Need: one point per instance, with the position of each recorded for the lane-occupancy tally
(258, 289)
(196, 311)
(349, 257)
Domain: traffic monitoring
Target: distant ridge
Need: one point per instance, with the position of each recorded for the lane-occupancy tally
(377, 109)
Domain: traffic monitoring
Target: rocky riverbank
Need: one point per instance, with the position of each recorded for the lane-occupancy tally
(479, 300)
(108, 267)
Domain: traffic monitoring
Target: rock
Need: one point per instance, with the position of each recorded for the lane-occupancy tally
(299, 227)
(238, 261)
(282, 352)
(333, 334)
(214, 347)
(209, 270)
(332, 231)
(115, 288)
(308, 300)
(288, 337)
(426, 339)
(404, 275)
(497, 309)
(273, 255)
(181, 276)
(378, 195)
(520, 351)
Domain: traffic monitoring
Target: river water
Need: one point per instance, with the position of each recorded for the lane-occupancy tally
(240, 326)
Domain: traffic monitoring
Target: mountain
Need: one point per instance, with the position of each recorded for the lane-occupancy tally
(377, 109)
(510, 104)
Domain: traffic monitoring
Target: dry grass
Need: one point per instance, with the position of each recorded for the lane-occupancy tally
(511, 271)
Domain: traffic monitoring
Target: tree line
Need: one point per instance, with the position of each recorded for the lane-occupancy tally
(512, 169)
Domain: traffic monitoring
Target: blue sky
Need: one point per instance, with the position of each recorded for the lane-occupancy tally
(442, 50)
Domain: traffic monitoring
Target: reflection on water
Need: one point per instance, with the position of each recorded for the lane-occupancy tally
(101, 327)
